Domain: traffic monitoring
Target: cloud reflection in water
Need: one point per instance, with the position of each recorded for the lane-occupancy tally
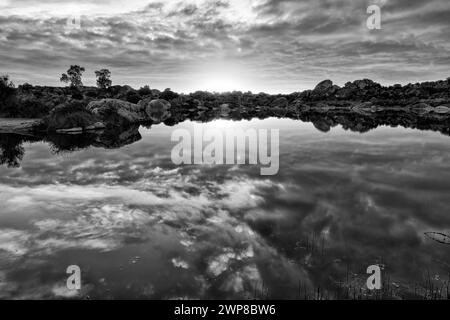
(140, 227)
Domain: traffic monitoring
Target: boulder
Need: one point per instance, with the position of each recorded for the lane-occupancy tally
(19, 125)
(113, 112)
(157, 110)
(323, 87)
(77, 130)
(96, 126)
(225, 110)
(442, 109)
(363, 108)
(322, 125)
(363, 84)
(322, 107)
(304, 95)
(69, 116)
(421, 108)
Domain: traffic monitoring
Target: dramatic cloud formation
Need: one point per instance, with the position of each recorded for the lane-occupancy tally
(258, 45)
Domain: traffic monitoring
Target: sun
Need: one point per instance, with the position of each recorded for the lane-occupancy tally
(220, 83)
(219, 76)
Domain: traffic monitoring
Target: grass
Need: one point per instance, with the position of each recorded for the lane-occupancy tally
(350, 284)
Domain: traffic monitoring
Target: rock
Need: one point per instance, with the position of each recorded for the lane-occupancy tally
(68, 116)
(363, 84)
(77, 130)
(363, 108)
(117, 112)
(421, 108)
(322, 125)
(441, 110)
(324, 89)
(278, 112)
(225, 110)
(19, 125)
(157, 110)
(304, 108)
(324, 86)
(322, 107)
(96, 126)
(304, 95)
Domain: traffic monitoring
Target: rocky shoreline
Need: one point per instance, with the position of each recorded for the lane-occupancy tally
(80, 110)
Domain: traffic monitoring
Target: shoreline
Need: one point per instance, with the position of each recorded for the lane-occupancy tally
(80, 110)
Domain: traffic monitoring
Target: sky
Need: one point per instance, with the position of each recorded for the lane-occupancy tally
(274, 46)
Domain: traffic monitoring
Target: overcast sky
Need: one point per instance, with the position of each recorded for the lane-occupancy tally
(258, 45)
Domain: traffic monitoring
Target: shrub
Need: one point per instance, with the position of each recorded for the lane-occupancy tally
(91, 94)
(77, 96)
(145, 91)
(133, 97)
(32, 108)
(168, 95)
(26, 87)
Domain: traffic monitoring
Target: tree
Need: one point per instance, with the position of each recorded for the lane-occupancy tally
(7, 88)
(103, 78)
(73, 76)
(5, 82)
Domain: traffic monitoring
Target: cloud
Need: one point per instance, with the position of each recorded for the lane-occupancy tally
(279, 45)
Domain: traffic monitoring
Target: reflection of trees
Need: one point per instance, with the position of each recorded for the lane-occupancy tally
(11, 150)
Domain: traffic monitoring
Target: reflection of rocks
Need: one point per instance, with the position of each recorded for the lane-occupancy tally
(117, 139)
(322, 125)
(225, 110)
(442, 110)
(364, 108)
(108, 139)
(98, 126)
(361, 117)
(421, 108)
(366, 121)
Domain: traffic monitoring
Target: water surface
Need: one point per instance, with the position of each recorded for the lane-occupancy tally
(141, 227)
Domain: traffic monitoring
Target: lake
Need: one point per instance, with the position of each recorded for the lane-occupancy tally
(140, 227)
